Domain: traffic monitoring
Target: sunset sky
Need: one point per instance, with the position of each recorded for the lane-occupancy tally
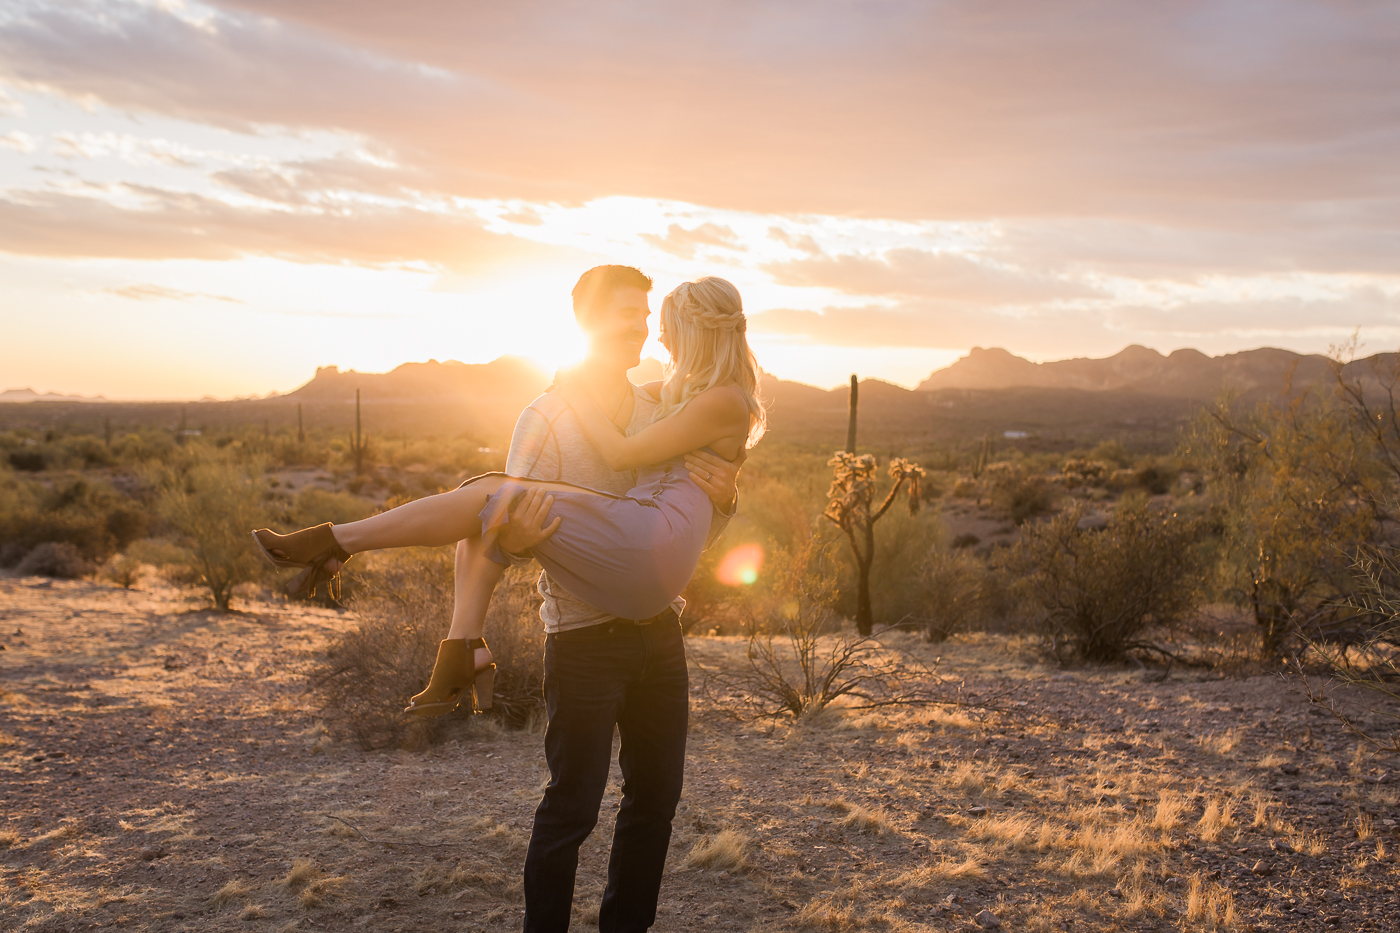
(215, 198)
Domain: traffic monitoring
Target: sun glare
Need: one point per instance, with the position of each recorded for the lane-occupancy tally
(740, 566)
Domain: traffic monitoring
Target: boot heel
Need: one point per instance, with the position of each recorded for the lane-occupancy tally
(484, 687)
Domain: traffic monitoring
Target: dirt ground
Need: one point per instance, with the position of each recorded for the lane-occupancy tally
(161, 769)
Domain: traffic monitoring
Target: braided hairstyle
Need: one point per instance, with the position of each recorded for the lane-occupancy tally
(704, 322)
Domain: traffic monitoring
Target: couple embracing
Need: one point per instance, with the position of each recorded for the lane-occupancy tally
(615, 489)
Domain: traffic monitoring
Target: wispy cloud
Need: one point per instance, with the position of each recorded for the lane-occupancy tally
(147, 292)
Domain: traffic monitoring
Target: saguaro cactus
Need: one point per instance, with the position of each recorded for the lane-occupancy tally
(851, 422)
(358, 443)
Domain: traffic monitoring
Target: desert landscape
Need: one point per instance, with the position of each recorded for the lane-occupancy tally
(1059, 585)
(164, 769)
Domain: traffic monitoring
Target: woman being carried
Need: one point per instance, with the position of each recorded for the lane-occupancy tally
(629, 555)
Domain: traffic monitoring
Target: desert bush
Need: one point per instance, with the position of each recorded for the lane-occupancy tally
(90, 515)
(1081, 472)
(1370, 665)
(1096, 592)
(55, 559)
(1016, 494)
(313, 506)
(799, 661)
(959, 593)
(1156, 475)
(1301, 488)
(122, 570)
(213, 503)
(404, 604)
(12, 553)
(1112, 453)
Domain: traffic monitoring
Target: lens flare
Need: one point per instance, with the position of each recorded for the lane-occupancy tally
(740, 566)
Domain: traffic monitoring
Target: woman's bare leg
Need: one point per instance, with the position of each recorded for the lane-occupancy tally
(476, 576)
(431, 521)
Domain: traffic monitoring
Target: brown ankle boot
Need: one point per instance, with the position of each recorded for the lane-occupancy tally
(311, 548)
(453, 673)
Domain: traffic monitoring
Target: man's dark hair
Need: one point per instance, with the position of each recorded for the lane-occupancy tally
(597, 285)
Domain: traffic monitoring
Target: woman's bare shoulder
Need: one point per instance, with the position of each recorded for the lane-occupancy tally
(726, 400)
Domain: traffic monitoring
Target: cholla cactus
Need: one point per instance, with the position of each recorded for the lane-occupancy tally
(850, 501)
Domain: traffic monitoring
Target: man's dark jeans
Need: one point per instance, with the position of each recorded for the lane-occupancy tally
(633, 676)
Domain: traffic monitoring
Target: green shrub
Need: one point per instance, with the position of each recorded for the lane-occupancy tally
(213, 504)
(1096, 592)
(122, 570)
(959, 593)
(313, 506)
(1015, 494)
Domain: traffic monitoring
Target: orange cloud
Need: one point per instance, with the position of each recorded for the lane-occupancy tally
(176, 225)
(945, 276)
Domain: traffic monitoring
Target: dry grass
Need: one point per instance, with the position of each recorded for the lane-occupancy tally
(302, 873)
(1012, 831)
(1216, 819)
(235, 890)
(726, 850)
(9, 838)
(1170, 807)
(1364, 827)
(1210, 904)
(871, 820)
(1222, 743)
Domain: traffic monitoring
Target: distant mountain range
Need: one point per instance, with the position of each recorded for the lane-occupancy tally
(1186, 374)
(29, 395)
(509, 383)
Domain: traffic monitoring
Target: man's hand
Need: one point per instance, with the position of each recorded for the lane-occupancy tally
(527, 527)
(716, 475)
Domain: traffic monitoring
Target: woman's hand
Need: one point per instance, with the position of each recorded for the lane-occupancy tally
(716, 475)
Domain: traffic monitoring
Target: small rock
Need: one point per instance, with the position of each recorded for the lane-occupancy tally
(976, 811)
(1288, 769)
(150, 853)
(724, 874)
(987, 920)
(1262, 868)
(952, 900)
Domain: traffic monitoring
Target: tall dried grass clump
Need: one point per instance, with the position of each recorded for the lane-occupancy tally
(404, 602)
(726, 850)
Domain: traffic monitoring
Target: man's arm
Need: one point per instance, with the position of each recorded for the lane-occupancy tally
(531, 443)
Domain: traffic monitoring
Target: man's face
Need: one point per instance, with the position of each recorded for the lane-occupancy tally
(617, 327)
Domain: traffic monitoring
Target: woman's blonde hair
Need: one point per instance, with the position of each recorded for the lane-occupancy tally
(705, 325)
